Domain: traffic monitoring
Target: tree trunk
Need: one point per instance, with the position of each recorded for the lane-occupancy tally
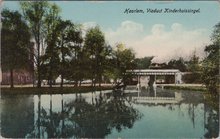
(99, 82)
(100, 79)
(62, 55)
(33, 77)
(51, 71)
(50, 78)
(38, 60)
(38, 77)
(80, 82)
(12, 78)
(61, 84)
(76, 83)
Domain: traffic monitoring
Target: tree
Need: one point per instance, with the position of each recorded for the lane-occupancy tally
(94, 47)
(193, 66)
(75, 43)
(35, 14)
(177, 64)
(51, 56)
(15, 47)
(123, 59)
(210, 67)
(64, 46)
(143, 63)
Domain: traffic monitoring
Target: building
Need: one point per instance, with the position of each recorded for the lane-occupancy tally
(149, 76)
(22, 76)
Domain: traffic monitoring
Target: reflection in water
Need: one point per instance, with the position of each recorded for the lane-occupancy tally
(212, 115)
(113, 115)
(17, 115)
(81, 119)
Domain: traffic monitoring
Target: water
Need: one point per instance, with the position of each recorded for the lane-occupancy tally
(160, 114)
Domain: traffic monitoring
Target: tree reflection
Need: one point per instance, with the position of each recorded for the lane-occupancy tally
(82, 119)
(211, 115)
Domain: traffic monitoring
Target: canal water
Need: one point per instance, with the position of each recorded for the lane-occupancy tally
(108, 114)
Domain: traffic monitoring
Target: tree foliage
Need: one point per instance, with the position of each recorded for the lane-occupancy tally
(35, 14)
(193, 66)
(95, 50)
(210, 66)
(51, 57)
(177, 64)
(123, 59)
(60, 50)
(15, 48)
(143, 63)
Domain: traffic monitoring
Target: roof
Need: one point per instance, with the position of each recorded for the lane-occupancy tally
(154, 71)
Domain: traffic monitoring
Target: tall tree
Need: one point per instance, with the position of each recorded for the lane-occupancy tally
(15, 47)
(123, 59)
(210, 68)
(35, 14)
(94, 45)
(75, 43)
(194, 67)
(52, 53)
(64, 46)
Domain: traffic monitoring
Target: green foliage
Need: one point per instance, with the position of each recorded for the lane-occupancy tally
(50, 59)
(15, 48)
(193, 66)
(123, 59)
(210, 66)
(177, 64)
(60, 48)
(35, 14)
(95, 49)
(143, 63)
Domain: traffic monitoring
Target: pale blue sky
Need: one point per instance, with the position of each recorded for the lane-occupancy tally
(111, 18)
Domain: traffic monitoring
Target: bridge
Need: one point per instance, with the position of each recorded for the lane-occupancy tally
(156, 72)
(158, 100)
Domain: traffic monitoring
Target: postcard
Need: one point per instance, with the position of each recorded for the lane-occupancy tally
(110, 69)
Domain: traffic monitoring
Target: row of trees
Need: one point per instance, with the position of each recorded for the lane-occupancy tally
(60, 48)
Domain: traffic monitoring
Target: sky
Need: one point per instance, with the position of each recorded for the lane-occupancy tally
(163, 35)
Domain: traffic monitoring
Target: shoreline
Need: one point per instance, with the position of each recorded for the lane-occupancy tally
(189, 88)
(53, 90)
(83, 89)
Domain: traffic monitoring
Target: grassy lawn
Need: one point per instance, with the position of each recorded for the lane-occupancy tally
(53, 90)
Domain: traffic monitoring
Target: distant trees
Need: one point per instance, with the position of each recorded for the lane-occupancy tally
(194, 66)
(15, 42)
(177, 64)
(143, 63)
